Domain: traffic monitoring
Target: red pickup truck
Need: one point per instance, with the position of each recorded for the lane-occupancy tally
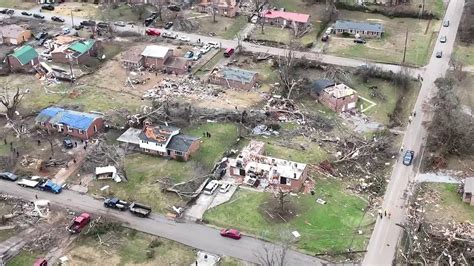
(79, 223)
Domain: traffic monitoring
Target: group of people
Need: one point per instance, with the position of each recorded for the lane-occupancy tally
(384, 214)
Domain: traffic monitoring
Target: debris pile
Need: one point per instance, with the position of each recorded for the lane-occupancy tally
(103, 154)
(168, 89)
(284, 110)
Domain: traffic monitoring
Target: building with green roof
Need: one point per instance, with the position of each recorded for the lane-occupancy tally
(77, 52)
(24, 58)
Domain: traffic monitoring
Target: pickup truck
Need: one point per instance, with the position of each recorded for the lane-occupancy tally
(139, 209)
(115, 203)
(50, 186)
(79, 223)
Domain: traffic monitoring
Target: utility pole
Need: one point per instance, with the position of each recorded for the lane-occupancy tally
(72, 19)
(405, 49)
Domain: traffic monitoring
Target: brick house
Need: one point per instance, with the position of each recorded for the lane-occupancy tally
(162, 140)
(132, 58)
(233, 78)
(285, 19)
(177, 65)
(226, 8)
(363, 29)
(78, 52)
(23, 59)
(77, 124)
(14, 34)
(338, 97)
(154, 56)
(252, 168)
(468, 191)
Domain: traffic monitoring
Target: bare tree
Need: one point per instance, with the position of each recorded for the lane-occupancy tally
(286, 70)
(282, 197)
(214, 10)
(275, 254)
(11, 103)
(48, 135)
(159, 7)
(457, 66)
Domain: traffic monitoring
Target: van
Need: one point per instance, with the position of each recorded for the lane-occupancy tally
(228, 52)
(211, 187)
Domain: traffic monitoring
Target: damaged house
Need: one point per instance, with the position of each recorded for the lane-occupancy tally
(162, 140)
(154, 56)
(468, 191)
(78, 52)
(252, 168)
(132, 58)
(14, 34)
(226, 8)
(23, 59)
(338, 97)
(235, 78)
(72, 123)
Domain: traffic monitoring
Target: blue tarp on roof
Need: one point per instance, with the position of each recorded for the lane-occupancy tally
(69, 118)
(48, 113)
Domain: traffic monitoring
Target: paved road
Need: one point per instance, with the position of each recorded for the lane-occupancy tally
(191, 234)
(328, 59)
(382, 245)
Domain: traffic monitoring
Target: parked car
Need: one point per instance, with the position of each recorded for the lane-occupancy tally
(152, 32)
(184, 38)
(205, 49)
(103, 25)
(79, 223)
(169, 35)
(10, 11)
(24, 13)
(38, 16)
(47, 7)
(88, 23)
(443, 39)
(78, 27)
(67, 143)
(41, 35)
(8, 176)
(197, 56)
(225, 187)
(168, 25)
(325, 37)
(229, 52)
(119, 23)
(231, 233)
(214, 45)
(408, 158)
(57, 19)
(329, 30)
(116, 203)
(211, 187)
(40, 262)
(446, 23)
(359, 40)
(4, 11)
(189, 55)
(439, 54)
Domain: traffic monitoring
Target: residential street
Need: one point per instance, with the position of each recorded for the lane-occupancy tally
(328, 59)
(195, 235)
(381, 248)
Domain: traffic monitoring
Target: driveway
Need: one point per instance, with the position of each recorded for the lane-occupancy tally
(191, 234)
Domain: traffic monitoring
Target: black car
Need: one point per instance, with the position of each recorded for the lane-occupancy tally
(67, 143)
(325, 38)
(41, 35)
(102, 25)
(148, 21)
(360, 41)
(57, 19)
(47, 7)
(8, 176)
(408, 158)
(38, 16)
(78, 27)
(168, 25)
(10, 11)
(24, 13)
(3, 11)
(87, 23)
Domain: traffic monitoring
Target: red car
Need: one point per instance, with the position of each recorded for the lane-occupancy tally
(231, 233)
(152, 32)
(40, 262)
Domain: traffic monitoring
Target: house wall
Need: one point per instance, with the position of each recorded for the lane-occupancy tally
(133, 64)
(233, 83)
(468, 198)
(338, 104)
(366, 34)
(21, 38)
(16, 66)
(280, 22)
(96, 126)
(295, 184)
(157, 62)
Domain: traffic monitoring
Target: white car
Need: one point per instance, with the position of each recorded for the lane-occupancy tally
(211, 187)
(66, 31)
(197, 55)
(169, 34)
(205, 49)
(225, 187)
(184, 38)
(214, 45)
(120, 23)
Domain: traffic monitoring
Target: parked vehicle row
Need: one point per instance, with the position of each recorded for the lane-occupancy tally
(213, 185)
(7, 11)
(41, 184)
(135, 208)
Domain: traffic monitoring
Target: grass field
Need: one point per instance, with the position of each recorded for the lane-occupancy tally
(18, 4)
(285, 36)
(143, 170)
(330, 227)
(312, 153)
(390, 47)
(23, 258)
(465, 54)
(224, 27)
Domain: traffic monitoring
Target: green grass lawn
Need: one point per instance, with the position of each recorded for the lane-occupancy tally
(448, 206)
(23, 258)
(276, 34)
(389, 49)
(224, 27)
(121, 13)
(143, 170)
(312, 153)
(330, 227)
(239, 23)
(209, 65)
(465, 54)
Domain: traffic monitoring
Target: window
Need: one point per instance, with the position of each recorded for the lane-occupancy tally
(178, 153)
(81, 131)
(95, 128)
(69, 129)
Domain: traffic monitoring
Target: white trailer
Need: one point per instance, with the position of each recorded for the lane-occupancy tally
(28, 183)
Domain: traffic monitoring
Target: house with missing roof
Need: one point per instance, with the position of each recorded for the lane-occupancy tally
(234, 78)
(254, 169)
(154, 56)
(285, 19)
(68, 122)
(78, 52)
(162, 140)
(338, 97)
(468, 191)
(23, 59)
(14, 34)
(363, 29)
(226, 8)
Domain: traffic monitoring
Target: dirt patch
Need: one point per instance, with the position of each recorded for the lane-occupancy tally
(82, 10)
